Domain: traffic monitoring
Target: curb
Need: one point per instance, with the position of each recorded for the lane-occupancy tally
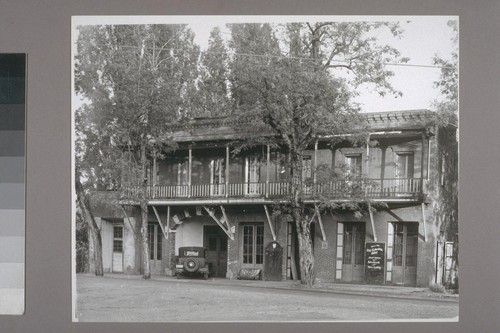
(339, 289)
(425, 294)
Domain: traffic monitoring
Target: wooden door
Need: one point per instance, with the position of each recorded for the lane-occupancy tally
(353, 269)
(117, 256)
(215, 241)
(155, 238)
(405, 173)
(253, 245)
(404, 268)
(217, 177)
(252, 175)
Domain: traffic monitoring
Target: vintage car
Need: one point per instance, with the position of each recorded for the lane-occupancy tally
(192, 261)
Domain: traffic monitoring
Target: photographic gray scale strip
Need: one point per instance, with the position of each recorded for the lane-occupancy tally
(12, 183)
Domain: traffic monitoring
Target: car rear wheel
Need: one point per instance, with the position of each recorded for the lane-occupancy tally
(191, 265)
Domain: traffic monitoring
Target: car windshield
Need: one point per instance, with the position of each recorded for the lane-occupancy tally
(191, 253)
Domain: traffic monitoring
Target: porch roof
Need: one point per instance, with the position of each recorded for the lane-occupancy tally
(211, 129)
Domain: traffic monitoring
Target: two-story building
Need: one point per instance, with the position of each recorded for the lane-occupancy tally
(204, 195)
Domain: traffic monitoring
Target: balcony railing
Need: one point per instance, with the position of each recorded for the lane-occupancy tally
(375, 188)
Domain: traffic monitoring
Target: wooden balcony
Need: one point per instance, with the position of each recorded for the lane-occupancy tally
(393, 189)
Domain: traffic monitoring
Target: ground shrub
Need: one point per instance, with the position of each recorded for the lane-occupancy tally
(437, 288)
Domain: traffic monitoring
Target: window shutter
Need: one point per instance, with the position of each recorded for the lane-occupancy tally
(390, 246)
(340, 251)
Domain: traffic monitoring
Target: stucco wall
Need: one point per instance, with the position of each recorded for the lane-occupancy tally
(190, 232)
(325, 256)
(131, 245)
(238, 217)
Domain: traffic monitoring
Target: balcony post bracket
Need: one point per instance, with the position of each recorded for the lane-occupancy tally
(128, 220)
(423, 221)
(226, 219)
(372, 222)
(163, 229)
(269, 221)
(212, 215)
(320, 221)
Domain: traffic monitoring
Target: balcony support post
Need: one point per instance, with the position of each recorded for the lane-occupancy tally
(168, 220)
(162, 227)
(269, 222)
(153, 176)
(268, 166)
(428, 156)
(372, 221)
(190, 165)
(367, 161)
(315, 179)
(227, 171)
(422, 166)
(368, 156)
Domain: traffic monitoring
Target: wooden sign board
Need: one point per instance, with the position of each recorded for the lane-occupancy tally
(374, 263)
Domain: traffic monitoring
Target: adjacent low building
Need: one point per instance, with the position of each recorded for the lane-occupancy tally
(204, 195)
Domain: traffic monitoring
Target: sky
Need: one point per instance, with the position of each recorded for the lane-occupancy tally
(423, 37)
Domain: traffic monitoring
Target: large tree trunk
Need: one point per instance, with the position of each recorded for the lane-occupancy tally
(84, 206)
(146, 270)
(306, 255)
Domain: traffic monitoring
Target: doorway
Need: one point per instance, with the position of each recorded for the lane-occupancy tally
(252, 245)
(353, 269)
(117, 256)
(215, 241)
(405, 242)
(155, 237)
(217, 177)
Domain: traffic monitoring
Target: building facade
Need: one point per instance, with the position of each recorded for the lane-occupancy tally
(204, 195)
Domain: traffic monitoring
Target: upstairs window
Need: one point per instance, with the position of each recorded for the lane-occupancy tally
(306, 167)
(183, 173)
(354, 165)
(252, 166)
(217, 171)
(405, 165)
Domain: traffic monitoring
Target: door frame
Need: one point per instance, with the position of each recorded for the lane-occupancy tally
(154, 261)
(222, 234)
(218, 176)
(391, 234)
(255, 250)
(341, 246)
(120, 226)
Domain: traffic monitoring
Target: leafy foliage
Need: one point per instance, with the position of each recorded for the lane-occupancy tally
(447, 109)
(446, 196)
(288, 84)
(286, 87)
(213, 90)
(136, 79)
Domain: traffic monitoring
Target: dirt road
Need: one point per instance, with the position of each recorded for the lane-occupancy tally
(134, 300)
